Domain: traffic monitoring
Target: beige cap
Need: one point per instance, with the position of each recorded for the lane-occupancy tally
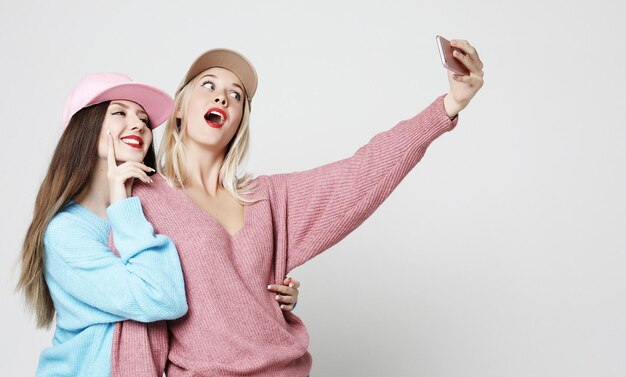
(228, 59)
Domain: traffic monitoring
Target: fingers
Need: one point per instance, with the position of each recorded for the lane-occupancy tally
(283, 289)
(287, 297)
(474, 81)
(129, 170)
(468, 55)
(111, 161)
(288, 293)
(141, 166)
(465, 46)
(291, 282)
(132, 169)
(287, 308)
(287, 300)
(286, 303)
(473, 67)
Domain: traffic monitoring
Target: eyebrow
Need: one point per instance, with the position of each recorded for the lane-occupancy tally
(126, 107)
(233, 84)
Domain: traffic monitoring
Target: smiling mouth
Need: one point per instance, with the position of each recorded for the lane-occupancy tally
(215, 118)
(133, 141)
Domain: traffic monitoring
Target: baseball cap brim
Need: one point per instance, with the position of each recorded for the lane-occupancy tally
(157, 104)
(228, 59)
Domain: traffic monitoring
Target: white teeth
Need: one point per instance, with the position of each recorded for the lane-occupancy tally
(219, 115)
(131, 141)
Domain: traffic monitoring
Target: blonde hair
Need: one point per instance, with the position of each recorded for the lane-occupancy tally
(172, 156)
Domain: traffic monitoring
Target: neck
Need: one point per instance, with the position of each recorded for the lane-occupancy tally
(95, 197)
(203, 168)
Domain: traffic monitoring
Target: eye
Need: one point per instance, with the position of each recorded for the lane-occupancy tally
(119, 112)
(208, 85)
(236, 96)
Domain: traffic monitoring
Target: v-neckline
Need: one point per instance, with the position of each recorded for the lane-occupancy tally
(205, 214)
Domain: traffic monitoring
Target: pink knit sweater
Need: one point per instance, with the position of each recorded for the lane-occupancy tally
(234, 326)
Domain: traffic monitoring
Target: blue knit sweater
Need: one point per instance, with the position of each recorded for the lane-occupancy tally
(92, 288)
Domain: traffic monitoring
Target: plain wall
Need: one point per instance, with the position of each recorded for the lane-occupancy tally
(502, 254)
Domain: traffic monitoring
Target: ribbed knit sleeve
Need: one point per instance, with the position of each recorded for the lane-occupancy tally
(234, 326)
(325, 204)
(146, 284)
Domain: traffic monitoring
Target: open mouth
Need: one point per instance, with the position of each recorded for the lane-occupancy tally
(215, 117)
(133, 141)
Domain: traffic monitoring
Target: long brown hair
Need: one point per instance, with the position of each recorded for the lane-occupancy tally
(69, 173)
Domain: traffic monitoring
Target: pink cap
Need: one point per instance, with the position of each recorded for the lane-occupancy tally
(101, 87)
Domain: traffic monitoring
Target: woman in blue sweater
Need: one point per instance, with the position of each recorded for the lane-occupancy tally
(89, 254)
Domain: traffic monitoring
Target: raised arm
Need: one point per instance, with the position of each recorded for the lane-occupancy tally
(323, 205)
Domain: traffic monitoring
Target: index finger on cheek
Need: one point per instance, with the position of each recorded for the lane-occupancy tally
(111, 162)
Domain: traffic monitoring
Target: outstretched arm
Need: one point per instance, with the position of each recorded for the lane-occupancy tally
(319, 207)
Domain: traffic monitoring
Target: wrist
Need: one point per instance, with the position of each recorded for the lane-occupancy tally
(451, 106)
(116, 194)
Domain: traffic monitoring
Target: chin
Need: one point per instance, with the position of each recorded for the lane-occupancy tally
(135, 158)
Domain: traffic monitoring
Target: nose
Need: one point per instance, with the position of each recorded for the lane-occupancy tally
(221, 99)
(138, 125)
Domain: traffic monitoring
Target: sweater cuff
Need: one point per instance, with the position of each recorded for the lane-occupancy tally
(439, 105)
(127, 219)
(126, 213)
(129, 225)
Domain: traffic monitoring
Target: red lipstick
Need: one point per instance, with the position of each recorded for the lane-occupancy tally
(215, 117)
(133, 141)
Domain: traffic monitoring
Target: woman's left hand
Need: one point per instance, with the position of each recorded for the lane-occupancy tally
(463, 88)
(287, 293)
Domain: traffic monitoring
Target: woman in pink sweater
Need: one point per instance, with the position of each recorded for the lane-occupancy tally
(233, 230)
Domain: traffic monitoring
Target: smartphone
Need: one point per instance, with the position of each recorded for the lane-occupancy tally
(448, 60)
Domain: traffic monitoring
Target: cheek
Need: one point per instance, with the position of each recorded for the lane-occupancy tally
(238, 124)
(236, 117)
(103, 146)
(194, 127)
(237, 120)
(147, 139)
(233, 131)
(195, 109)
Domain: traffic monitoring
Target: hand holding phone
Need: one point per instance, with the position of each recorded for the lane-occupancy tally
(448, 60)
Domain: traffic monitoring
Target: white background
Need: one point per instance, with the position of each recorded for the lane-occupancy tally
(502, 254)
